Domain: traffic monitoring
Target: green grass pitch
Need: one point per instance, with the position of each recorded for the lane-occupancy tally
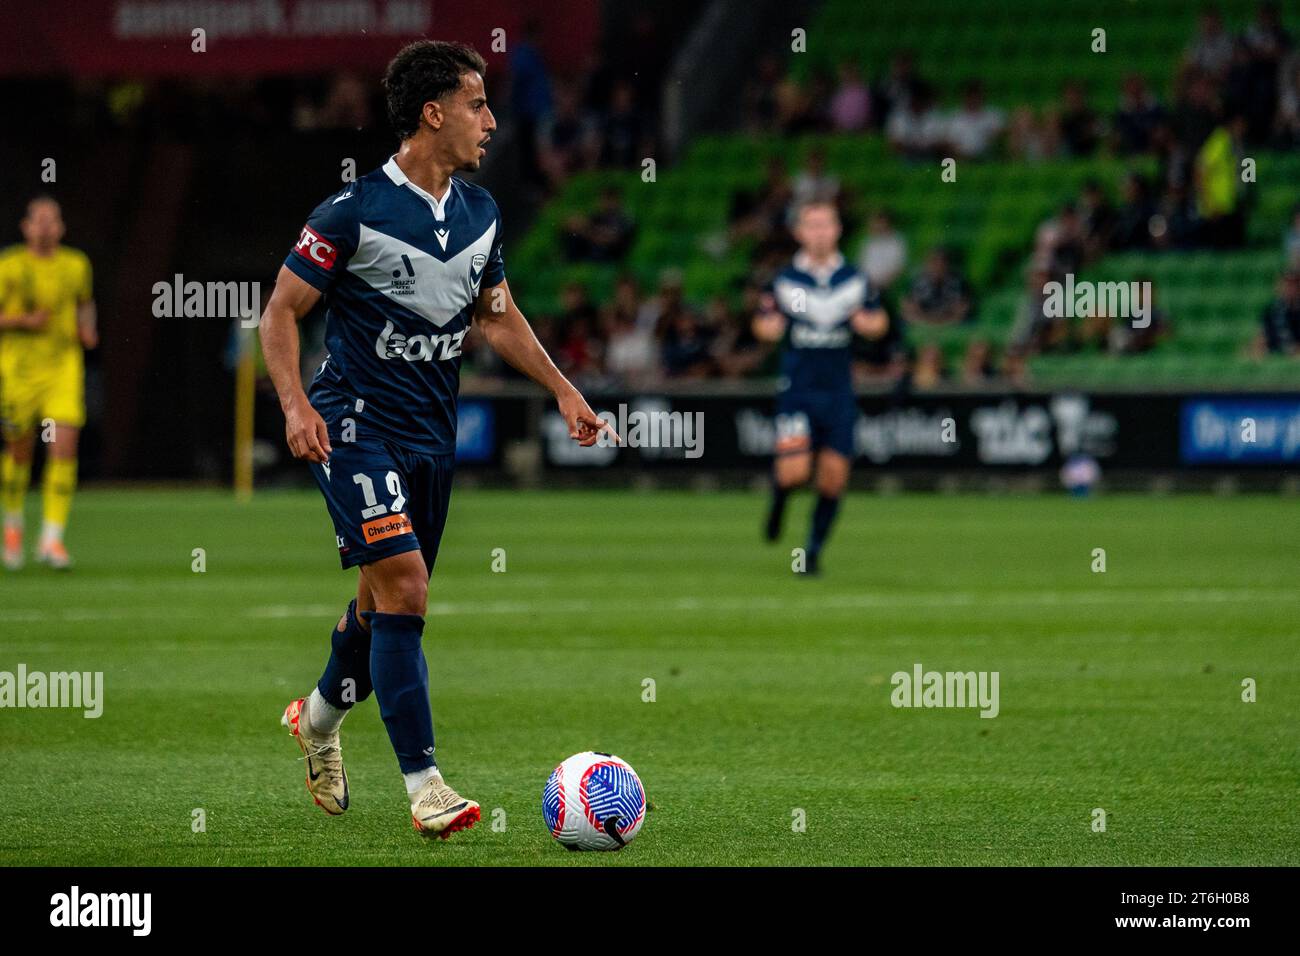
(1118, 690)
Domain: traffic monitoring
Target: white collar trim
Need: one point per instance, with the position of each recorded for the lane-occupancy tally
(803, 264)
(399, 178)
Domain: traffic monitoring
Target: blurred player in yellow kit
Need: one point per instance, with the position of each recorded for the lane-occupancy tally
(47, 317)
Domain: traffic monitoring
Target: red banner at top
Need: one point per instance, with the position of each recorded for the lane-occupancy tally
(204, 37)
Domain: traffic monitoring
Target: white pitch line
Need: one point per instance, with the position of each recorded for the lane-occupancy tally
(766, 603)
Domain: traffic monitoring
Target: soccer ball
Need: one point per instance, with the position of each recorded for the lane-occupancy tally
(594, 801)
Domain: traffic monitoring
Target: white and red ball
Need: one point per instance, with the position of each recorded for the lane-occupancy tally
(594, 801)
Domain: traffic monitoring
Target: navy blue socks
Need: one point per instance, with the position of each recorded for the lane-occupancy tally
(822, 519)
(401, 681)
(772, 530)
(349, 661)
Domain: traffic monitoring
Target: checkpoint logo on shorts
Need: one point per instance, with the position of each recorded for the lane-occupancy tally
(389, 527)
(792, 432)
(315, 249)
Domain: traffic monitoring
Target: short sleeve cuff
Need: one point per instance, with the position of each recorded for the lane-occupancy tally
(306, 273)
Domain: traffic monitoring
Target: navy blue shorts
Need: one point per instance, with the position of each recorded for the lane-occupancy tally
(806, 421)
(385, 500)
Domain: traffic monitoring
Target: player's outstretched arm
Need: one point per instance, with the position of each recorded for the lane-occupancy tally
(304, 429)
(88, 324)
(511, 337)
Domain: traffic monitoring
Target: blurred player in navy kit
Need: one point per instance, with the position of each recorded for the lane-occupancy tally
(402, 261)
(813, 308)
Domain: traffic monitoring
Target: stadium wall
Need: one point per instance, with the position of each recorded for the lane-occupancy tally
(932, 440)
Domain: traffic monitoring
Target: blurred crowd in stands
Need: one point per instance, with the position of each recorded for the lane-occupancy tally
(642, 337)
(605, 115)
(1255, 75)
(1231, 94)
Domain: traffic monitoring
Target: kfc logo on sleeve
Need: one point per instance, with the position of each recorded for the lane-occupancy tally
(315, 249)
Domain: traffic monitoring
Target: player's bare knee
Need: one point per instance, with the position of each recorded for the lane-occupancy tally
(398, 585)
(65, 442)
(830, 487)
(408, 593)
(22, 448)
(831, 482)
(832, 474)
(414, 596)
(791, 473)
(403, 594)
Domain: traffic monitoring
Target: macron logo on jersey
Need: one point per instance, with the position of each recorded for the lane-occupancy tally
(315, 249)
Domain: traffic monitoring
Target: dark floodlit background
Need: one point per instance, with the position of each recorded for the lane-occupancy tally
(1115, 156)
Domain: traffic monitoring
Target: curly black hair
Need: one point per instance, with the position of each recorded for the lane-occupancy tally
(422, 71)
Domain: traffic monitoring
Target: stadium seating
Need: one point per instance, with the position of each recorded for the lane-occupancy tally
(1213, 301)
(1022, 50)
(989, 215)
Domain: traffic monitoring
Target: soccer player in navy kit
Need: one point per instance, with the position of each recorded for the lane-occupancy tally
(402, 261)
(814, 307)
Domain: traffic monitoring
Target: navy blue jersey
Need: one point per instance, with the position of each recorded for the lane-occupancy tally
(400, 272)
(818, 305)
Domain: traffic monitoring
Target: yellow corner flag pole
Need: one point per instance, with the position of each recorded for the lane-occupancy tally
(245, 391)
